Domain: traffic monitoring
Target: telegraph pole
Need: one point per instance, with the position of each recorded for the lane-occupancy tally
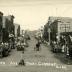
(49, 35)
(49, 30)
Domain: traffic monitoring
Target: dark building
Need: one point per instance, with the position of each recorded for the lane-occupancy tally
(1, 18)
(17, 30)
(57, 26)
(45, 34)
(8, 27)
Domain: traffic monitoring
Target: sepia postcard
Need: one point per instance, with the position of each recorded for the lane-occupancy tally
(35, 36)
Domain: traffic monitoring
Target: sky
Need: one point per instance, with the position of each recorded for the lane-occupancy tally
(32, 15)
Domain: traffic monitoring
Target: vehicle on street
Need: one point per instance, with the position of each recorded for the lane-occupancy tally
(20, 46)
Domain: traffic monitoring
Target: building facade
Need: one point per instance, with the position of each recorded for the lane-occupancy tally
(57, 26)
(1, 18)
(7, 27)
(17, 30)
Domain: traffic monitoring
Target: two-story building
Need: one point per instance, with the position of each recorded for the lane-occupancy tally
(57, 26)
(7, 27)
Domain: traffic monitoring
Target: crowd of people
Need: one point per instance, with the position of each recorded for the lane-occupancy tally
(64, 42)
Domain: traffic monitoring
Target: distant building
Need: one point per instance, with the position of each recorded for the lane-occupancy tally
(17, 30)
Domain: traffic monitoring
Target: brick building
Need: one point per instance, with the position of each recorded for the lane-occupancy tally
(58, 25)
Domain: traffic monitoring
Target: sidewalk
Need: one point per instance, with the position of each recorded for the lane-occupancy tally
(61, 56)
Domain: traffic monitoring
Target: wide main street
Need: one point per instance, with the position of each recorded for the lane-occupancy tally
(41, 61)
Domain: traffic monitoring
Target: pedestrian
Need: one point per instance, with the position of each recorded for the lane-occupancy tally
(38, 46)
(22, 62)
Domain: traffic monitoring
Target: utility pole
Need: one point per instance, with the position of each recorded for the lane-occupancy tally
(49, 22)
(49, 36)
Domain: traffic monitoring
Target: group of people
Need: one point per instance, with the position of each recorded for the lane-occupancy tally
(65, 42)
